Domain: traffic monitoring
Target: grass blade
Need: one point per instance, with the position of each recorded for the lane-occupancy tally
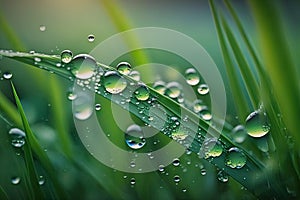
(240, 101)
(3, 194)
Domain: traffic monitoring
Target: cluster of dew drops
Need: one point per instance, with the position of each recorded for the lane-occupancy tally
(86, 70)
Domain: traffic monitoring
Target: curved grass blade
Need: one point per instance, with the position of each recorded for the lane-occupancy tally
(253, 170)
(240, 101)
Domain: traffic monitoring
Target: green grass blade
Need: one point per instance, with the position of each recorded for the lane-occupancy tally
(278, 63)
(239, 99)
(3, 194)
(253, 167)
(31, 171)
(249, 80)
(9, 110)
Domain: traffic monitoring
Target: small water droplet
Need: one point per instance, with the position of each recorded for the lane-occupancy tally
(81, 107)
(173, 90)
(114, 83)
(41, 180)
(203, 89)
(161, 168)
(17, 137)
(160, 87)
(235, 158)
(7, 75)
(132, 164)
(82, 66)
(91, 38)
(192, 78)
(142, 93)
(66, 56)
(124, 68)
(42, 28)
(176, 162)
(203, 172)
(222, 176)
(135, 75)
(198, 105)
(98, 106)
(71, 96)
(257, 124)
(132, 181)
(134, 137)
(176, 178)
(15, 180)
(205, 114)
(239, 134)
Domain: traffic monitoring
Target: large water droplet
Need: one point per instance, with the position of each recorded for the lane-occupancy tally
(212, 147)
(235, 158)
(239, 134)
(114, 83)
(160, 87)
(203, 89)
(83, 66)
(134, 137)
(17, 137)
(142, 93)
(66, 56)
(91, 38)
(15, 180)
(257, 124)
(192, 78)
(124, 68)
(7, 75)
(173, 89)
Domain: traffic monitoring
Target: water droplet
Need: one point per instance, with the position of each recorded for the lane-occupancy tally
(135, 75)
(203, 172)
(17, 137)
(124, 68)
(41, 180)
(98, 106)
(198, 105)
(66, 56)
(205, 114)
(173, 89)
(179, 136)
(235, 158)
(132, 181)
(82, 108)
(114, 83)
(83, 66)
(176, 178)
(257, 124)
(71, 96)
(160, 87)
(239, 134)
(191, 76)
(142, 93)
(222, 176)
(176, 162)
(42, 28)
(132, 164)
(37, 59)
(7, 75)
(212, 147)
(203, 89)
(161, 168)
(15, 180)
(91, 38)
(134, 137)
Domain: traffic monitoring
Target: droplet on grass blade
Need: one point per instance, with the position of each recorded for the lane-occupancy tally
(173, 90)
(191, 76)
(235, 158)
(7, 75)
(176, 162)
(124, 68)
(142, 93)
(257, 124)
(42, 28)
(83, 66)
(91, 38)
(114, 83)
(203, 89)
(17, 137)
(66, 56)
(134, 137)
(97, 106)
(239, 134)
(15, 180)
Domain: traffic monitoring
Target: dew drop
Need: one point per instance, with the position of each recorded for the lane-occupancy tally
(257, 124)
(37, 59)
(235, 158)
(81, 107)
(124, 68)
(83, 66)
(191, 76)
(41, 180)
(17, 137)
(160, 87)
(176, 162)
(7, 75)
(134, 137)
(222, 176)
(135, 75)
(142, 93)
(173, 90)
(176, 179)
(91, 38)
(203, 172)
(71, 96)
(15, 180)
(161, 168)
(98, 107)
(114, 83)
(212, 147)
(205, 114)
(132, 181)
(239, 134)
(42, 28)
(203, 89)
(66, 56)
(198, 105)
